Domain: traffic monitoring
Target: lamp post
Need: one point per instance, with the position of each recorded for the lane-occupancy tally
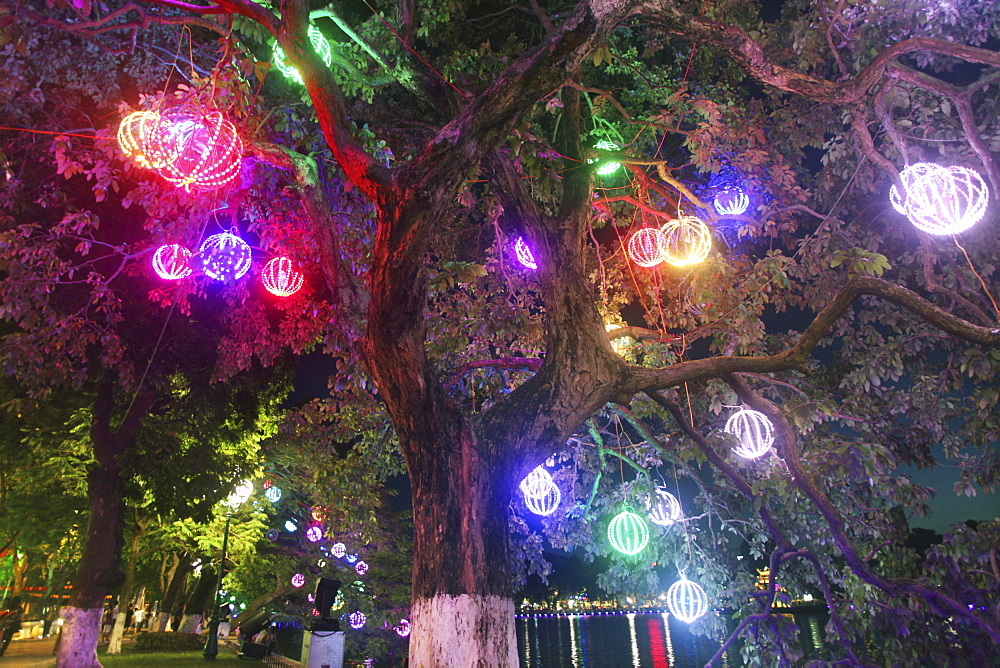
(235, 500)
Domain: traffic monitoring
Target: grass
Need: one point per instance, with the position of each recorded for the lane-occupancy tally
(129, 657)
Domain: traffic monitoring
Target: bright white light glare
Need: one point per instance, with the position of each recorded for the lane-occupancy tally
(732, 201)
(239, 495)
(754, 432)
(686, 600)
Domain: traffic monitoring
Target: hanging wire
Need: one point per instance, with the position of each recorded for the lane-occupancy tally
(981, 281)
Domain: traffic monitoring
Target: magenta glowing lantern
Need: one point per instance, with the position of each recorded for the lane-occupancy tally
(280, 278)
(298, 580)
(172, 262)
(225, 257)
(403, 629)
(361, 567)
(314, 533)
(524, 255)
(207, 148)
(357, 619)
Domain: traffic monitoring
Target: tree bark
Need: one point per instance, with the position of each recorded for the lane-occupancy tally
(125, 598)
(201, 599)
(174, 593)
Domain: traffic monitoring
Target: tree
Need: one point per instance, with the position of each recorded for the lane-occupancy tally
(490, 121)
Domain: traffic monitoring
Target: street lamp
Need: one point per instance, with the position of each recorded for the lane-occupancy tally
(235, 500)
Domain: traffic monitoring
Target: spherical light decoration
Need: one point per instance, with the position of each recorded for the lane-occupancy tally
(732, 201)
(135, 138)
(338, 550)
(207, 146)
(172, 262)
(338, 602)
(225, 257)
(273, 534)
(908, 176)
(665, 508)
(318, 514)
(358, 619)
(291, 526)
(403, 629)
(645, 247)
(314, 533)
(686, 600)
(608, 168)
(273, 494)
(754, 432)
(685, 241)
(267, 484)
(524, 255)
(535, 482)
(239, 495)
(320, 45)
(545, 503)
(946, 200)
(298, 580)
(280, 278)
(351, 558)
(361, 567)
(628, 533)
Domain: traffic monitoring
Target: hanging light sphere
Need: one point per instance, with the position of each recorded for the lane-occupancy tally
(523, 254)
(172, 262)
(685, 241)
(206, 148)
(225, 257)
(942, 200)
(338, 550)
(403, 629)
(754, 432)
(628, 533)
(732, 201)
(138, 135)
(320, 45)
(314, 533)
(361, 567)
(534, 483)
(351, 558)
(273, 494)
(686, 600)
(267, 484)
(291, 526)
(318, 514)
(280, 278)
(908, 176)
(273, 535)
(545, 503)
(358, 619)
(645, 247)
(608, 168)
(666, 509)
(298, 580)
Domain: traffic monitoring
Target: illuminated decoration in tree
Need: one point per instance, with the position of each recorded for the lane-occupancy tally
(207, 148)
(311, 598)
(645, 247)
(361, 567)
(136, 135)
(338, 602)
(314, 533)
(754, 432)
(318, 514)
(403, 629)
(239, 495)
(685, 240)
(628, 532)
(298, 580)
(291, 526)
(941, 200)
(273, 534)
(358, 619)
(351, 558)
(225, 257)
(686, 600)
(172, 262)
(666, 509)
(524, 255)
(534, 483)
(546, 502)
(621, 344)
(267, 484)
(273, 494)
(280, 278)
(320, 45)
(608, 168)
(732, 201)
(338, 550)
(359, 585)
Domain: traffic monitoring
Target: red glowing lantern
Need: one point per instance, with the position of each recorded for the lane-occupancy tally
(280, 278)
(646, 247)
(206, 147)
(172, 262)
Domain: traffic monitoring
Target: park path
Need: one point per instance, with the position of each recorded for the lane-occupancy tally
(29, 653)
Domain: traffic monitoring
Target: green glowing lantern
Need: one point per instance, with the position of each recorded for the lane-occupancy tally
(628, 532)
(608, 168)
(320, 45)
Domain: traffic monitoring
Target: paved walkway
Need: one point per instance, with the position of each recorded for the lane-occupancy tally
(33, 652)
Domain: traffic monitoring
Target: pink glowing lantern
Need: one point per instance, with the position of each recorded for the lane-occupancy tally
(298, 580)
(361, 567)
(645, 247)
(207, 148)
(524, 255)
(314, 533)
(280, 278)
(172, 262)
(225, 257)
(403, 629)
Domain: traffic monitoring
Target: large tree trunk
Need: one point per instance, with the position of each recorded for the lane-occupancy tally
(174, 593)
(115, 642)
(201, 598)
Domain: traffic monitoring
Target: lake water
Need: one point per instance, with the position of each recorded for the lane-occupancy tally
(616, 640)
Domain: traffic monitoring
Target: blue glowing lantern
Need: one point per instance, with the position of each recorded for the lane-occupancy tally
(732, 201)
(225, 257)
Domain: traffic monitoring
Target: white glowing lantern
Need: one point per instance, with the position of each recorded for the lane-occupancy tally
(754, 432)
(273, 494)
(686, 600)
(298, 580)
(358, 619)
(403, 629)
(534, 483)
(941, 200)
(361, 567)
(338, 550)
(546, 502)
(732, 201)
(239, 495)
(666, 509)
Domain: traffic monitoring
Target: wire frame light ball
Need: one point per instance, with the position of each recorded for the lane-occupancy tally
(665, 509)
(945, 200)
(607, 168)
(314, 533)
(534, 483)
(732, 201)
(685, 240)
(403, 629)
(753, 431)
(207, 148)
(280, 278)
(357, 619)
(908, 176)
(172, 262)
(544, 500)
(136, 138)
(523, 254)
(686, 600)
(273, 494)
(338, 550)
(361, 567)
(645, 247)
(298, 580)
(320, 45)
(225, 257)
(628, 533)
(273, 535)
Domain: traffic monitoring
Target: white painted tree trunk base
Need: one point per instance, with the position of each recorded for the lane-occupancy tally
(80, 630)
(161, 622)
(190, 623)
(463, 632)
(117, 632)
